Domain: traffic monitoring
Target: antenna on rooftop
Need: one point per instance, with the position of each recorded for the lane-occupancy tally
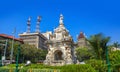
(38, 24)
(28, 24)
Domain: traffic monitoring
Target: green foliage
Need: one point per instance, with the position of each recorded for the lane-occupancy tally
(77, 68)
(2, 46)
(30, 52)
(65, 68)
(116, 44)
(116, 67)
(98, 65)
(99, 45)
(4, 70)
(27, 52)
(83, 53)
(114, 57)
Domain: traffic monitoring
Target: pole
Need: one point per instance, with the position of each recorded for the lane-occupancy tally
(11, 56)
(107, 59)
(5, 49)
(17, 58)
(12, 50)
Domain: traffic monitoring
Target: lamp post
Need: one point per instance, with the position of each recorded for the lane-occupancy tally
(17, 58)
(5, 49)
(11, 56)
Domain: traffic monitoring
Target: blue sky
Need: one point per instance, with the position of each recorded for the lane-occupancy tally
(89, 16)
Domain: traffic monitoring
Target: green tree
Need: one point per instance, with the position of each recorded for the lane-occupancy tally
(84, 53)
(116, 45)
(27, 52)
(8, 48)
(2, 46)
(99, 45)
(30, 52)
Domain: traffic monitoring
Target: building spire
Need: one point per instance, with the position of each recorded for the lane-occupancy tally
(81, 35)
(28, 24)
(38, 24)
(61, 19)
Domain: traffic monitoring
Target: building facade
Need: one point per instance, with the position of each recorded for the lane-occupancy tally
(34, 38)
(48, 34)
(60, 47)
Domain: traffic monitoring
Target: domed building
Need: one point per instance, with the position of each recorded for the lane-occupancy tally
(60, 47)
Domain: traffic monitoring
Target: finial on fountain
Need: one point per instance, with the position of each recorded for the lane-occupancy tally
(61, 19)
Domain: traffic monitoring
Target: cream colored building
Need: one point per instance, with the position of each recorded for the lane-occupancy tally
(48, 34)
(36, 39)
(60, 47)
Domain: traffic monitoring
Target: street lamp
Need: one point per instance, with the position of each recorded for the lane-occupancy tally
(11, 56)
(5, 49)
(17, 58)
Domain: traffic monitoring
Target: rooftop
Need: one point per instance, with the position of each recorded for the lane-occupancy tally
(81, 35)
(11, 37)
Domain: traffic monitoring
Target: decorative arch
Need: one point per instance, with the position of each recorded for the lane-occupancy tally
(58, 55)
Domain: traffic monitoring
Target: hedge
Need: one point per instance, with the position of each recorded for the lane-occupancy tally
(45, 68)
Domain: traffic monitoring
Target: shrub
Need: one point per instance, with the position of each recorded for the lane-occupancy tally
(77, 68)
(65, 68)
(7, 70)
(98, 65)
(116, 67)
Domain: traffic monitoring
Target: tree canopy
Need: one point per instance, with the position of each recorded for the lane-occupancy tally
(99, 44)
(27, 52)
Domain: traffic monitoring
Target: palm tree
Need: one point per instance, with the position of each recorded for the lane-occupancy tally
(99, 45)
(116, 45)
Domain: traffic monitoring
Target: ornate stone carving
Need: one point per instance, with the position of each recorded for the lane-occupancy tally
(60, 53)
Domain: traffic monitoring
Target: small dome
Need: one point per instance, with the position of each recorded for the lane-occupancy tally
(81, 35)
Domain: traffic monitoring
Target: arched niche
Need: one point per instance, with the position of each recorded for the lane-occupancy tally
(58, 55)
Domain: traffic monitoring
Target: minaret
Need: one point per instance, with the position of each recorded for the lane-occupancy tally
(38, 24)
(28, 24)
(61, 20)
